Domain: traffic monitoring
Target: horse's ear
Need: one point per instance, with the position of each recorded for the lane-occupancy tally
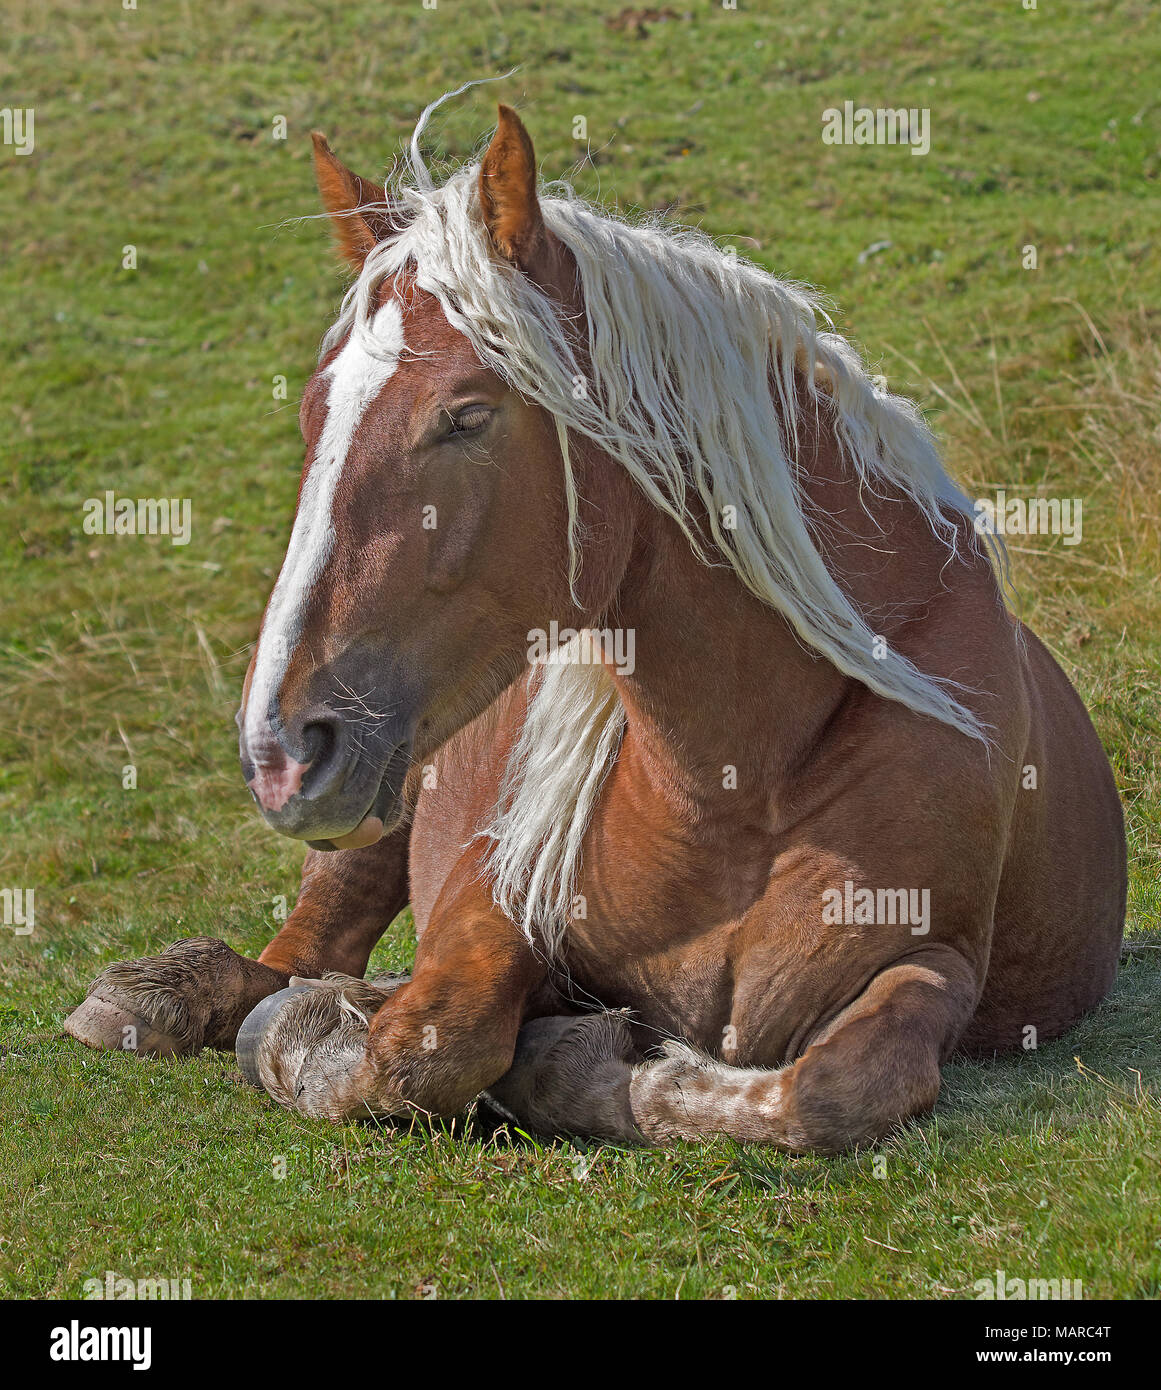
(359, 215)
(508, 191)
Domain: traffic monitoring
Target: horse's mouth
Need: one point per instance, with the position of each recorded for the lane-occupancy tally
(386, 812)
(368, 832)
(356, 808)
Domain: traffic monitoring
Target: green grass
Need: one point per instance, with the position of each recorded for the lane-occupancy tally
(153, 128)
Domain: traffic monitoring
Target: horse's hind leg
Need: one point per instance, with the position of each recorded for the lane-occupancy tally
(571, 1075)
(196, 993)
(874, 1066)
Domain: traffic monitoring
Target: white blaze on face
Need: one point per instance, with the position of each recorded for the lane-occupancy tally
(356, 375)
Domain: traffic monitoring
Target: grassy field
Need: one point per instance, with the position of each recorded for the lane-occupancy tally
(154, 129)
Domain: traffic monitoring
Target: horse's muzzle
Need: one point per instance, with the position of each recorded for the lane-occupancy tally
(322, 784)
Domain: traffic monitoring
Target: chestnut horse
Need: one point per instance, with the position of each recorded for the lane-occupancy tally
(630, 632)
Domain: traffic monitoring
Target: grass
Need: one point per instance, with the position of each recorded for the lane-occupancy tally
(154, 129)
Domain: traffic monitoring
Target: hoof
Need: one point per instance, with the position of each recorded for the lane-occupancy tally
(102, 1025)
(305, 1044)
(256, 1025)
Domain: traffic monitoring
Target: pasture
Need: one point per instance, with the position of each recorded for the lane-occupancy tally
(158, 142)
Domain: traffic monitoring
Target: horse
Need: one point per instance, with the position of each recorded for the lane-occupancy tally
(822, 813)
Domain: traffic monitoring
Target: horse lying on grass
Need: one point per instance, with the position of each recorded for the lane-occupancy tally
(839, 814)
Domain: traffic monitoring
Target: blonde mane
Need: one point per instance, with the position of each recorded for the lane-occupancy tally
(684, 340)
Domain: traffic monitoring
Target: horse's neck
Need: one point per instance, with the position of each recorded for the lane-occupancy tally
(721, 680)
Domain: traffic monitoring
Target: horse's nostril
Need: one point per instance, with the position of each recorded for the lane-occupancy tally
(319, 739)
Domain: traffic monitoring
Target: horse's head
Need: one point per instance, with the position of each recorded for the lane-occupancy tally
(433, 524)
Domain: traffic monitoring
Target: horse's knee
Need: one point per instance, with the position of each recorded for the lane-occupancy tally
(686, 1095)
(341, 1048)
(446, 1076)
(832, 1109)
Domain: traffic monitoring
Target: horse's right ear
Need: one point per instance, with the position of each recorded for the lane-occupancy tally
(359, 215)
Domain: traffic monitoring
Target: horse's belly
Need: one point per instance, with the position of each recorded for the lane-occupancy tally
(665, 934)
(683, 992)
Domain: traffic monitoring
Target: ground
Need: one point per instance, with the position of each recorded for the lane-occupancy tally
(155, 129)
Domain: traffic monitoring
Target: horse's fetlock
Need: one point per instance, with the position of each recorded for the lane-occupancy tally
(571, 1075)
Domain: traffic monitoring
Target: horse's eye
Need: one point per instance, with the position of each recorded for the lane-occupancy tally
(470, 420)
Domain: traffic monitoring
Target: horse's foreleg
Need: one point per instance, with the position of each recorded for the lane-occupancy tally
(198, 991)
(346, 1049)
(876, 1064)
(347, 900)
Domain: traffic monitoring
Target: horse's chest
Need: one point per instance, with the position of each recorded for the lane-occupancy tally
(655, 926)
(681, 987)
(653, 914)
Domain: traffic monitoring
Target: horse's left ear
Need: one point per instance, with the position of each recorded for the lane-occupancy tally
(508, 191)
